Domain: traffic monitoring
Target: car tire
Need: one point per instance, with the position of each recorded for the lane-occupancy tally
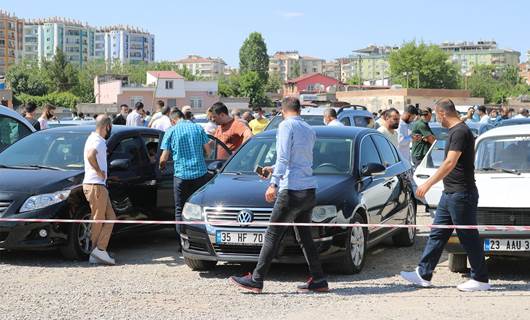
(406, 237)
(356, 247)
(457, 262)
(78, 238)
(200, 265)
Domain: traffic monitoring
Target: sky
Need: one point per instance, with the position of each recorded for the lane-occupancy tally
(324, 29)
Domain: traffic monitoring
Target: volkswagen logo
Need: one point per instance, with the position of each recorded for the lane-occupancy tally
(245, 216)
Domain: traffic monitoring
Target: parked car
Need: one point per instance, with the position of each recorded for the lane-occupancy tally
(355, 116)
(502, 173)
(13, 127)
(69, 123)
(361, 179)
(42, 177)
(504, 123)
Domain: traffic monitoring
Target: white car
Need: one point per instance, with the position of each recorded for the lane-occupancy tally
(430, 163)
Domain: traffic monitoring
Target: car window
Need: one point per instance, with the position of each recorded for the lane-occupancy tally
(11, 131)
(368, 152)
(346, 121)
(504, 153)
(151, 146)
(436, 156)
(215, 147)
(129, 148)
(385, 150)
(365, 122)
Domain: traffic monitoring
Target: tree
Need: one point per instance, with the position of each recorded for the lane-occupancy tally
(296, 70)
(61, 73)
(496, 84)
(251, 86)
(274, 83)
(229, 86)
(253, 56)
(425, 66)
(85, 84)
(26, 77)
(354, 81)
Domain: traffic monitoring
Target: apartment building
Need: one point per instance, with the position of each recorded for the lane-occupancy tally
(290, 64)
(332, 69)
(42, 38)
(125, 44)
(10, 40)
(208, 68)
(368, 65)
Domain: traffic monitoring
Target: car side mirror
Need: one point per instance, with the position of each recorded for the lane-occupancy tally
(120, 164)
(215, 166)
(373, 169)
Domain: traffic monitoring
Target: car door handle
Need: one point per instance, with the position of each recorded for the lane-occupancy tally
(389, 184)
(423, 176)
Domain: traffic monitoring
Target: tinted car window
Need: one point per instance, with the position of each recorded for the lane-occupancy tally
(365, 122)
(129, 148)
(61, 150)
(312, 120)
(369, 153)
(346, 121)
(11, 131)
(385, 150)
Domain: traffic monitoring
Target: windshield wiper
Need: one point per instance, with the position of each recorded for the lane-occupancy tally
(38, 166)
(3, 166)
(512, 171)
(237, 173)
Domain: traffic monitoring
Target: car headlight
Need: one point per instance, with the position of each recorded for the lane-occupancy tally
(44, 200)
(322, 213)
(191, 212)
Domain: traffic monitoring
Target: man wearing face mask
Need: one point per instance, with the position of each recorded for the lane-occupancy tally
(390, 125)
(405, 136)
(95, 190)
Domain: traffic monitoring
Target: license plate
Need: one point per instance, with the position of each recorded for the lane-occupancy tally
(239, 238)
(507, 245)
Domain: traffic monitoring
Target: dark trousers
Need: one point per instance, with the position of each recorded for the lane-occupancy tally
(183, 189)
(290, 206)
(459, 208)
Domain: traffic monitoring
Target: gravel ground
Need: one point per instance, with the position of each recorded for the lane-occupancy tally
(151, 282)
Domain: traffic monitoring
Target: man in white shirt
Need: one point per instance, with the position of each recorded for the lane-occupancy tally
(483, 114)
(523, 113)
(330, 118)
(163, 122)
(134, 119)
(157, 114)
(390, 125)
(404, 132)
(95, 190)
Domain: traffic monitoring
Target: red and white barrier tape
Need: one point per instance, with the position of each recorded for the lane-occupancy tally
(265, 224)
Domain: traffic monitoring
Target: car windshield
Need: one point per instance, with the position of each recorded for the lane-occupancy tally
(504, 153)
(330, 156)
(62, 150)
(312, 120)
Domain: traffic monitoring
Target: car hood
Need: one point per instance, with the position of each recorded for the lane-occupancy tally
(37, 181)
(249, 190)
(503, 190)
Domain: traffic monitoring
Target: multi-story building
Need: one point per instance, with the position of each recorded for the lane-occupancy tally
(369, 65)
(469, 54)
(332, 69)
(208, 68)
(124, 44)
(290, 64)
(10, 40)
(42, 38)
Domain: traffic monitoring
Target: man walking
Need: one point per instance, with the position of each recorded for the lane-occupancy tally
(405, 136)
(426, 138)
(188, 144)
(230, 131)
(121, 119)
(134, 119)
(390, 125)
(95, 190)
(458, 204)
(292, 186)
(330, 118)
(259, 123)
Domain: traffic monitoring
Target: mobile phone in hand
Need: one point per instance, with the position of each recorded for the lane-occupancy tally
(259, 170)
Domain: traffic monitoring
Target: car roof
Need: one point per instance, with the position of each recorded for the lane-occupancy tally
(13, 114)
(522, 129)
(89, 128)
(509, 122)
(327, 132)
(320, 111)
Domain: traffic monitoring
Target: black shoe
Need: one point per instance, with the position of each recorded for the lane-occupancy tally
(314, 286)
(247, 283)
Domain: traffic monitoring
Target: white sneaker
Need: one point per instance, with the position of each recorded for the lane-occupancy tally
(102, 256)
(93, 260)
(474, 285)
(415, 278)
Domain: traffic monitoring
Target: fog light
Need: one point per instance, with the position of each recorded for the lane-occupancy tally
(43, 233)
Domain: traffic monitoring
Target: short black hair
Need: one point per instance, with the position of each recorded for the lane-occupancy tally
(218, 108)
(388, 112)
(138, 105)
(30, 107)
(412, 110)
(160, 103)
(176, 113)
(165, 110)
(258, 109)
(188, 115)
(481, 109)
(330, 112)
(425, 111)
(291, 104)
(124, 105)
(447, 106)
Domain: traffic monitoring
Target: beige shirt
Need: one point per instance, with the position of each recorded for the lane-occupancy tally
(392, 136)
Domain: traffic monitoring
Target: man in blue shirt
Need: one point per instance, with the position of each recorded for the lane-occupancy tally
(293, 187)
(188, 145)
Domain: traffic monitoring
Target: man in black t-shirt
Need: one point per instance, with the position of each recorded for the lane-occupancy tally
(457, 206)
(121, 118)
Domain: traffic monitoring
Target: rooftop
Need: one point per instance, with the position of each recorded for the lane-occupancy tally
(121, 27)
(199, 59)
(165, 74)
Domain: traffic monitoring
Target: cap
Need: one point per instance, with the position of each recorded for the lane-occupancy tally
(186, 109)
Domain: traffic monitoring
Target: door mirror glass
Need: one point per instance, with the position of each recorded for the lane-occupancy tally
(373, 169)
(215, 166)
(120, 164)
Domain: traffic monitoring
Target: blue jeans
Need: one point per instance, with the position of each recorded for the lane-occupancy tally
(458, 208)
(183, 189)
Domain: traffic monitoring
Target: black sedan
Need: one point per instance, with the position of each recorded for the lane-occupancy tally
(42, 174)
(361, 179)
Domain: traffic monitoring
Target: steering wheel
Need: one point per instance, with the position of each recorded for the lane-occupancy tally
(328, 164)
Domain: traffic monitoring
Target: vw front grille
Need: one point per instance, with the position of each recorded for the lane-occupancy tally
(222, 214)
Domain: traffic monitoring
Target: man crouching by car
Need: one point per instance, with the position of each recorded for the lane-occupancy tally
(96, 193)
(293, 188)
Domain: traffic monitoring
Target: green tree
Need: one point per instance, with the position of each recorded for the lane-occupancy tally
(425, 66)
(496, 85)
(61, 73)
(274, 83)
(85, 84)
(251, 86)
(229, 86)
(296, 70)
(253, 56)
(27, 77)
(354, 81)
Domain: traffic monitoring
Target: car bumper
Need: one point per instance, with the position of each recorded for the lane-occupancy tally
(454, 246)
(198, 242)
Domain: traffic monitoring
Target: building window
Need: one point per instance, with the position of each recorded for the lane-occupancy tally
(196, 102)
(389, 102)
(169, 84)
(135, 99)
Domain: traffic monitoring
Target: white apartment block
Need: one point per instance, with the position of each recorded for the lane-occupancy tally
(289, 64)
(124, 44)
(208, 68)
